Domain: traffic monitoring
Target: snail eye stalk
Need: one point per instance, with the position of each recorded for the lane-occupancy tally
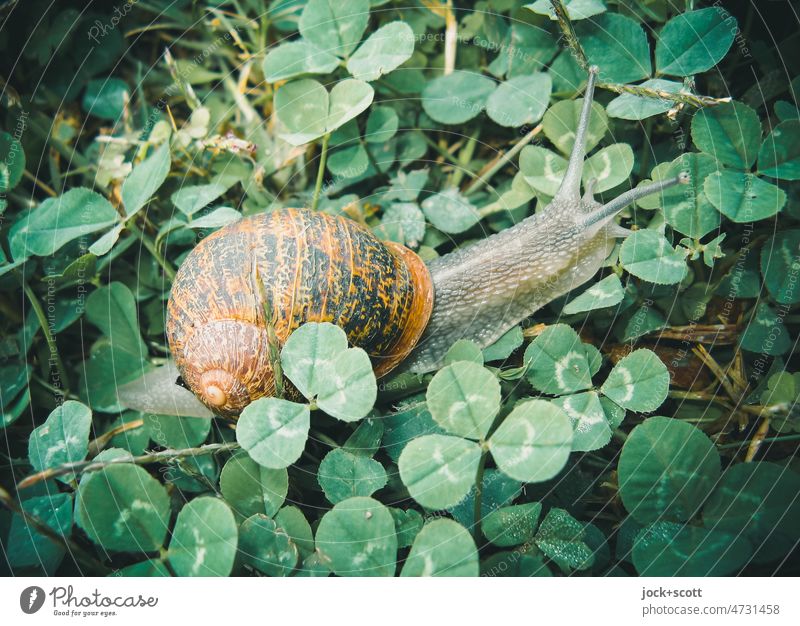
(570, 188)
(629, 197)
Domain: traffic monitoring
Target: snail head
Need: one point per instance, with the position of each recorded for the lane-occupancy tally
(588, 215)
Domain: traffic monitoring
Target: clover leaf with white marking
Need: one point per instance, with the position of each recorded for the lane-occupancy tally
(557, 361)
(63, 438)
(639, 382)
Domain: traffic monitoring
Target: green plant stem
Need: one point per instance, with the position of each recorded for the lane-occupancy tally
(56, 179)
(48, 336)
(644, 155)
(275, 357)
(446, 155)
(323, 159)
(464, 157)
(52, 388)
(401, 386)
(744, 444)
(162, 456)
(491, 209)
(371, 158)
(481, 180)
(148, 243)
(248, 112)
(477, 505)
(44, 187)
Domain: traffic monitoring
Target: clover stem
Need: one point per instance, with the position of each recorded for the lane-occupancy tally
(323, 158)
(372, 161)
(148, 243)
(323, 438)
(464, 157)
(647, 147)
(744, 444)
(476, 527)
(447, 156)
(63, 388)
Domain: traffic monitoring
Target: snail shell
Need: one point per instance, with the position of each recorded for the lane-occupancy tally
(312, 267)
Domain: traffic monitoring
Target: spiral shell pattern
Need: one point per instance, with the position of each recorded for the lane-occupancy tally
(295, 266)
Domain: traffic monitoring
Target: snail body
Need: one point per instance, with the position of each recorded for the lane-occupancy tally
(296, 266)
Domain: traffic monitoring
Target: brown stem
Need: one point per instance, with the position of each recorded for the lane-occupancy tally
(694, 100)
(153, 457)
(569, 33)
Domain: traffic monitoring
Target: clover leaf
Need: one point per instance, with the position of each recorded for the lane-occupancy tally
(204, 540)
(317, 360)
(384, 50)
(274, 431)
(743, 197)
(779, 155)
(343, 475)
(729, 132)
(267, 548)
(464, 399)
(357, 538)
(639, 381)
(308, 111)
(334, 25)
(438, 470)
(694, 42)
(250, 488)
(605, 293)
(63, 438)
(666, 471)
(442, 548)
(123, 509)
(649, 256)
(533, 443)
(557, 361)
(457, 97)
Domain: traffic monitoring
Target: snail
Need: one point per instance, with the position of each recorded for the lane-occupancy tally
(299, 266)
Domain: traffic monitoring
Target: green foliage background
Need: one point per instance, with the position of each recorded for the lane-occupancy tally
(645, 424)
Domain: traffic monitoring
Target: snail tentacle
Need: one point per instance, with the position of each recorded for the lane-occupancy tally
(610, 209)
(570, 188)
